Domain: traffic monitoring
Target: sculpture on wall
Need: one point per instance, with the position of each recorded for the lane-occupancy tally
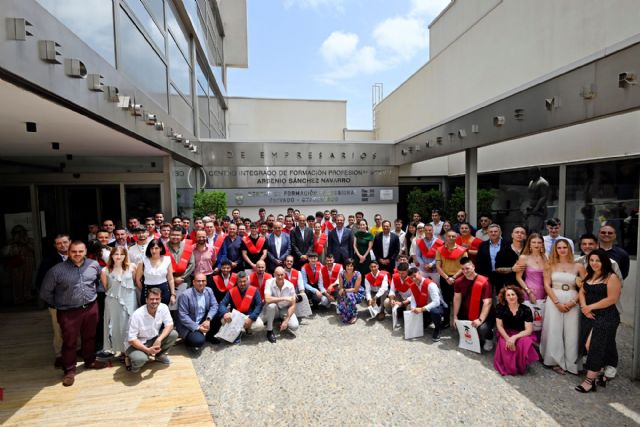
(536, 211)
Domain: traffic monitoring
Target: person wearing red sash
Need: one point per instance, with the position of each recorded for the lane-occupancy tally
(182, 260)
(327, 224)
(376, 285)
(448, 265)
(244, 298)
(314, 283)
(319, 241)
(223, 281)
(426, 298)
(259, 277)
(472, 301)
(467, 240)
(330, 273)
(293, 275)
(425, 253)
(400, 291)
(197, 225)
(254, 249)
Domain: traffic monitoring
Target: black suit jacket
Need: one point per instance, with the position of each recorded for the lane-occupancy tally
(394, 251)
(483, 262)
(299, 245)
(343, 249)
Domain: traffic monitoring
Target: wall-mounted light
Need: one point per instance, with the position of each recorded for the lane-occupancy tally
(124, 102)
(498, 121)
(186, 143)
(475, 128)
(113, 94)
(17, 29)
(462, 133)
(518, 113)
(95, 82)
(49, 51)
(194, 148)
(150, 118)
(135, 109)
(589, 92)
(627, 79)
(439, 140)
(159, 125)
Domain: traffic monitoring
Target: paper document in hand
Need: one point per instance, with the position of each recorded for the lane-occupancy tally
(230, 331)
(413, 326)
(374, 310)
(469, 339)
(303, 308)
(394, 316)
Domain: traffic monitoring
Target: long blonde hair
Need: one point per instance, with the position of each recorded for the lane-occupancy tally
(527, 246)
(554, 257)
(125, 261)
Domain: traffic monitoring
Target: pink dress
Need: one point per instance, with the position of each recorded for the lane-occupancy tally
(509, 362)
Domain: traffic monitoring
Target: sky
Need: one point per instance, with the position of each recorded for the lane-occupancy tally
(333, 49)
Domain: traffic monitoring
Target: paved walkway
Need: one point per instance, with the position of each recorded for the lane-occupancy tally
(364, 374)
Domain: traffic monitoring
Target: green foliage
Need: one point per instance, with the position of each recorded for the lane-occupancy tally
(206, 202)
(456, 203)
(423, 201)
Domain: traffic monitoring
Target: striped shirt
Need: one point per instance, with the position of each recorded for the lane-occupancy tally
(68, 286)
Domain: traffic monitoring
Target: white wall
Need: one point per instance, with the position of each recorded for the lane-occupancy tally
(359, 135)
(517, 42)
(388, 211)
(234, 21)
(286, 119)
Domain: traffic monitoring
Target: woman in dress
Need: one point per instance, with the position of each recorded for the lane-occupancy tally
(319, 242)
(413, 246)
(560, 327)
(531, 279)
(362, 244)
(514, 322)
(600, 319)
(350, 293)
(121, 299)
(158, 273)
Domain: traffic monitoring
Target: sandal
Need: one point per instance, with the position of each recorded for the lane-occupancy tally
(558, 370)
(602, 380)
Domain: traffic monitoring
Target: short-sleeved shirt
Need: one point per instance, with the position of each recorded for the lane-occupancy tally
(463, 286)
(514, 322)
(144, 326)
(287, 291)
(449, 266)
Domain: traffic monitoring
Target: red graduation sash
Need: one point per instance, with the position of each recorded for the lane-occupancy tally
(400, 286)
(421, 295)
(328, 225)
(312, 277)
(219, 281)
(254, 249)
(253, 281)
(426, 252)
(242, 304)
(472, 243)
(334, 274)
(452, 255)
(181, 266)
(293, 277)
(219, 241)
(476, 297)
(318, 245)
(376, 282)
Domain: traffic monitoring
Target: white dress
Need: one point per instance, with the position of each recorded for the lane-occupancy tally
(561, 331)
(121, 301)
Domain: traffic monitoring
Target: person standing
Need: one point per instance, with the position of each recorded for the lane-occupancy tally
(341, 241)
(607, 242)
(362, 246)
(71, 287)
(158, 273)
(182, 262)
(204, 257)
(377, 227)
(448, 259)
(301, 242)
(319, 241)
(425, 253)
(232, 250)
(138, 249)
(254, 249)
(386, 247)
(553, 228)
(483, 232)
(278, 247)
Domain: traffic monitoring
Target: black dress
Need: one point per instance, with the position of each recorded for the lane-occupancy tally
(602, 350)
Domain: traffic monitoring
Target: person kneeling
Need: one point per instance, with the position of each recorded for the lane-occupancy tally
(427, 297)
(196, 307)
(514, 321)
(280, 302)
(150, 332)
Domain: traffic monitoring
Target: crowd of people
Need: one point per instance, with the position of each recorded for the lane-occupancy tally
(133, 292)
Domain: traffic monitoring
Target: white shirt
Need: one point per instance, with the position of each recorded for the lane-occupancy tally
(549, 241)
(144, 326)
(137, 253)
(287, 291)
(278, 242)
(386, 239)
(384, 286)
(437, 228)
(339, 233)
(156, 275)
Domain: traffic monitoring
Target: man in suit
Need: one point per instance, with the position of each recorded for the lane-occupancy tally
(340, 241)
(278, 247)
(386, 247)
(61, 243)
(194, 318)
(301, 241)
(487, 251)
(121, 240)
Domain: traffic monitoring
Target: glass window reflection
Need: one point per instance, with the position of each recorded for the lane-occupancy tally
(181, 110)
(157, 10)
(147, 22)
(90, 20)
(177, 31)
(141, 63)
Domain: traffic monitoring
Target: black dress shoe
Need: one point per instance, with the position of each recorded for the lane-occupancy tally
(271, 337)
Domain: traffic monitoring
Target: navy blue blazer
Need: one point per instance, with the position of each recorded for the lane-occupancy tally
(285, 250)
(188, 308)
(343, 249)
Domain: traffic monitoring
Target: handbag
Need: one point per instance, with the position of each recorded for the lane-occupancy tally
(537, 310)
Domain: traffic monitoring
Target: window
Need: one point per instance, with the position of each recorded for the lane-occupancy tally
(605, 192)
(149, 25)
(179, 69)
(181, 110)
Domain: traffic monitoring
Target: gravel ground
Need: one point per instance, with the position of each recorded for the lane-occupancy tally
(365, 374)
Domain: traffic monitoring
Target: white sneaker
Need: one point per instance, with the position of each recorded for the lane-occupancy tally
(163, 358)
(488, 345)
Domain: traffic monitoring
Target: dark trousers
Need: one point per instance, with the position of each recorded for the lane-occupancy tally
(434, 316)
(447, 295)
(197, 338)
(164, 288)
(100, 327)
(74, 323)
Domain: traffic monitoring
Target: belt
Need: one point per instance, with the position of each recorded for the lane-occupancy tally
(81, 307)
(564, 286)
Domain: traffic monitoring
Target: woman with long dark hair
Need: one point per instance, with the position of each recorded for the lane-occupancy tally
(158, 273)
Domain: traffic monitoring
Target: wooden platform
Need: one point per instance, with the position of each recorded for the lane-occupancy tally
(34, 395)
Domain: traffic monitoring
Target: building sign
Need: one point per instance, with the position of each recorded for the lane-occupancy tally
(310, 196)
(286, 177)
